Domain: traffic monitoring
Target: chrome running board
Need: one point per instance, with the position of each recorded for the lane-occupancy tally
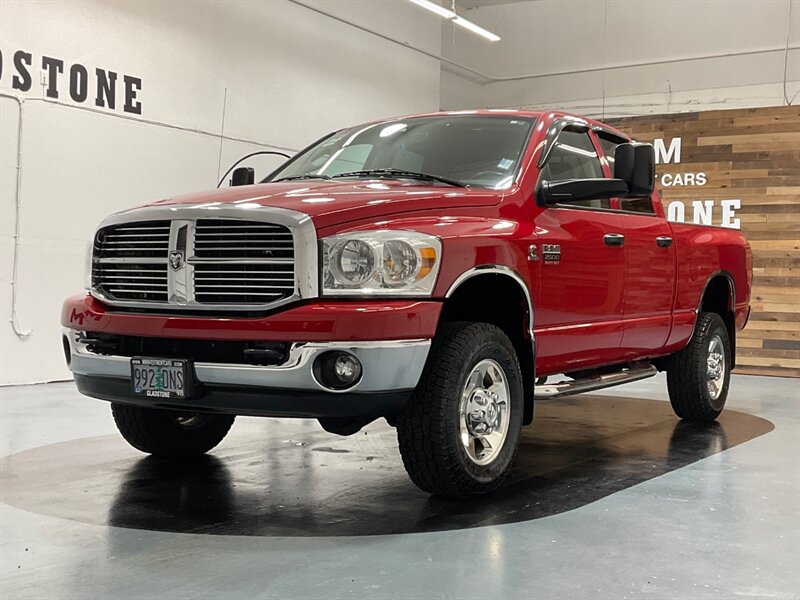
(567, 388)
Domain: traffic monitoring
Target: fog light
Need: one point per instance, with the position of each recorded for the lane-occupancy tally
(337, 370)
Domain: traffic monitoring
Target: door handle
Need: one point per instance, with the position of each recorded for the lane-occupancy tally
(614, 239)
(664, 241)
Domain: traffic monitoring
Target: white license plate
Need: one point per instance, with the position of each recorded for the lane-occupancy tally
(159, 377)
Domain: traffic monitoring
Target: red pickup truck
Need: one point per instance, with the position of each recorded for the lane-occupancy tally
(435, 270)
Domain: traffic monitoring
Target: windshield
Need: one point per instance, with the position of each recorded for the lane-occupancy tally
(466, 149)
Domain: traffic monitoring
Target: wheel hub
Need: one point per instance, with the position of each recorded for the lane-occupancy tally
(715, 367)
(484, 412)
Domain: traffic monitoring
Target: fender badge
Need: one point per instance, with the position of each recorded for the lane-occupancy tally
(551, 254)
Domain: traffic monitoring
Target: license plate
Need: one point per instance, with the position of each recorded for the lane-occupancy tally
(159, 377)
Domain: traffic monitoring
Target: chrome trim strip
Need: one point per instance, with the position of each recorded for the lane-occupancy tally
(387, 366)
(179, 283)
(301, 225)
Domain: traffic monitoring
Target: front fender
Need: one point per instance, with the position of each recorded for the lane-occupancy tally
(469, 242)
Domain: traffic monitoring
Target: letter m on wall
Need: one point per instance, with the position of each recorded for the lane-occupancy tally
(668, 155)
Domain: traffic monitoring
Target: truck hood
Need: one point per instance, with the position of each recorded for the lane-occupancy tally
(333, 203)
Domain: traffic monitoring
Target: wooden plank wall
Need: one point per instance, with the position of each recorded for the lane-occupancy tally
(752, 155)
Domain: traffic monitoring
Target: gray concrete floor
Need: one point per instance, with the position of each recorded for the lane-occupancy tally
(724, 526)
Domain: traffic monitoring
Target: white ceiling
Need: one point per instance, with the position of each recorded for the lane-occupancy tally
(469, 4)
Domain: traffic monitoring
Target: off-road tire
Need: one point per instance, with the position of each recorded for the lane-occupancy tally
(428, 430)
(687, 373)
(160, 433)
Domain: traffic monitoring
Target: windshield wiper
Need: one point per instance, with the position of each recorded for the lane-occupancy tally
(401, 173)
(296, 177)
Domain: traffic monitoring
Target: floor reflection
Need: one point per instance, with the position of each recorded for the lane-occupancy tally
(290, 478)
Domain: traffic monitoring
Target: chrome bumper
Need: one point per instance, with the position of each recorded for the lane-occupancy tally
(387, 366)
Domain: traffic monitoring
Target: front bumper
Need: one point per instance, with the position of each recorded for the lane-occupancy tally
(391, 370)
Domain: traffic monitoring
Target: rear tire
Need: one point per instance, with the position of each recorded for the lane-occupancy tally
(459, 434)
(699, 375)
(170, 433)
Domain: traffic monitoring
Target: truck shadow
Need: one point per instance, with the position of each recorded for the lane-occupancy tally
(290, 478)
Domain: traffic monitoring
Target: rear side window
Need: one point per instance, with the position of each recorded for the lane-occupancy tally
(639, 205)
(574, 157)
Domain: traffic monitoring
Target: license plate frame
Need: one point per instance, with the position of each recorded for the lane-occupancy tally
(172, 383)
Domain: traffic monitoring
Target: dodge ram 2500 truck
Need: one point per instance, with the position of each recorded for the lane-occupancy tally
(433, 270)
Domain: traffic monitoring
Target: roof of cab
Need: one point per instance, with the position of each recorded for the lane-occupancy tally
(594, 123)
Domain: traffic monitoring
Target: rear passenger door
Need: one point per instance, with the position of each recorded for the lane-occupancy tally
(649, 267)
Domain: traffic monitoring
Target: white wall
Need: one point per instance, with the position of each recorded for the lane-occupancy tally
(291, 75)
(548, 36)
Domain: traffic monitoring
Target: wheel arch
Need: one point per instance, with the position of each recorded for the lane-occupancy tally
(511, 309)
(719, 296)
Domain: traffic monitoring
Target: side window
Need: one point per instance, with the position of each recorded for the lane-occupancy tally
(609, 144)
(574, 157)
(639, 205)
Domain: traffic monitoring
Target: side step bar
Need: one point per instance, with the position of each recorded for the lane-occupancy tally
(578, 386)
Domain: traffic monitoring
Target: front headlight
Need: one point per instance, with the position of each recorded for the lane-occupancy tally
(389, 262)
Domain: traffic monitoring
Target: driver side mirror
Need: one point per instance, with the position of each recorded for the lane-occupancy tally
(243, 176)
(634, 177)
(635, 164)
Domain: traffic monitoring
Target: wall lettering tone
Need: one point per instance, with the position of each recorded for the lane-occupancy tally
(76, 82)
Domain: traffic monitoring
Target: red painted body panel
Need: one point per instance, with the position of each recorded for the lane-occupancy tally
(703, 252)
(578, 300)
(600, 305)
(650, 284)
(334, 203)
(312, 322)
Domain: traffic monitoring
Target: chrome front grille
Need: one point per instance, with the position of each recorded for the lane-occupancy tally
(253, 283)
(195, 263)
(140, 240)
(219, 238)
(116, 252)
(132, 281)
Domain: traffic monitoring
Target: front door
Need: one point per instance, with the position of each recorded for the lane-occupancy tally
(579, 299)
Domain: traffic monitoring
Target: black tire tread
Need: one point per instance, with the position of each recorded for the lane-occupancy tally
(154, 431)
(685, 382)
(426, 431)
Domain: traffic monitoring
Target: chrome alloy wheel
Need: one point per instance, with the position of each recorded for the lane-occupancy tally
(715, 367)
(484, 412)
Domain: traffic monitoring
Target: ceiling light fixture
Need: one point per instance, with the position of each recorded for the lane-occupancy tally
(476, 29)
(433, 7)
(452, 16)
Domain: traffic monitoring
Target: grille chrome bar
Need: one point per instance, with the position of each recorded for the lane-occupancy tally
(224, 234)
(242, 261)
(121, 260)
(188, 257)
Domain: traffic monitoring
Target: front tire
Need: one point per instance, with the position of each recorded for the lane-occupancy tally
(459, 434)
(168, 433)
(699, 375)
